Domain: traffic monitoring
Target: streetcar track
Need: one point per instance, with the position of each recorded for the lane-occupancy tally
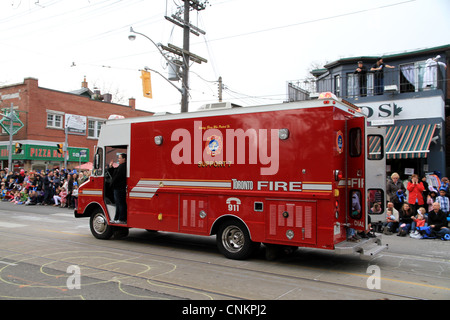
(126, 275)
(199, 245)
(200, 290)
(237, 268)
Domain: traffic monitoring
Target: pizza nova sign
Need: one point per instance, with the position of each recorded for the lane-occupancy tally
(50, 153)
(420, 108)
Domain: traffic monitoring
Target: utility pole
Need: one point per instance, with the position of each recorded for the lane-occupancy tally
(187, 56)
(186, 44)
(220, 89)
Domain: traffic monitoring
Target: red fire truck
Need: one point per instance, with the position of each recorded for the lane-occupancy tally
(292, 175)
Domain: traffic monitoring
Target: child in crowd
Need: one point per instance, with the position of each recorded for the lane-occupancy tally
(16, 197)
(23, 196)
(57, 197)
(390, 215)
(63, 196)
(419, 222)
(431, 197)
(420, 219)
(32, 198)
(3, 191)
(443, 201)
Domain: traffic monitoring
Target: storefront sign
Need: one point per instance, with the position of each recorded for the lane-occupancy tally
(76, 124)
(46, 153)
(406, 109)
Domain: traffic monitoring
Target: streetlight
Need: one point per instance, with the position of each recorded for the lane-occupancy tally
(183, 90)
(132, 37)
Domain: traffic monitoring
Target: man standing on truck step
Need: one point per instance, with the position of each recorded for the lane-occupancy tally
(119, 186)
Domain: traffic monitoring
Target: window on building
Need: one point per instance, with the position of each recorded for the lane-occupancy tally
(94, 128)
(54, 120)
(354, 88)
(415, 76)
(337, 85)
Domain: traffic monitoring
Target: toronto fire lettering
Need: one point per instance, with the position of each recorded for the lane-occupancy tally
(294, 186)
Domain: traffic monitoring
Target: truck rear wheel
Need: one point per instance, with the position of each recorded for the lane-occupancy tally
(233, 240)
(99, 225)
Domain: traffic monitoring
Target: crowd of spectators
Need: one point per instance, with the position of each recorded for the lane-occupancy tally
(418, 208)
(42, 187)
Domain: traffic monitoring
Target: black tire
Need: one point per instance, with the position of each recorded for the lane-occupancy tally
(99, 225)
(234, 242)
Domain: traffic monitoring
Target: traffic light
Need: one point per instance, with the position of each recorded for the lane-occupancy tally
(146, 84)
(18, 148)
(60, 148)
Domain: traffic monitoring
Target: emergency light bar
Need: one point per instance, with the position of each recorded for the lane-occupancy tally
(327, 95)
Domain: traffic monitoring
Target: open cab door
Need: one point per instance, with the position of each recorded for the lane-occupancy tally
(357, 191)
(356, 174)
(376, 176)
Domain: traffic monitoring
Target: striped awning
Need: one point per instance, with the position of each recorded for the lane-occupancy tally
(409, 141)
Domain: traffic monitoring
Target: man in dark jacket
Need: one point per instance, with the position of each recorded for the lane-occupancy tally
(48, 188)
(361, 71)
(437, 220)
(119, 186)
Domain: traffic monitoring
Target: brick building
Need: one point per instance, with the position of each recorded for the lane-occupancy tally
(43, 114)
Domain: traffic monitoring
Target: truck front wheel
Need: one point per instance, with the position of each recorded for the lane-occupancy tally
(233, 240)
(99, 225)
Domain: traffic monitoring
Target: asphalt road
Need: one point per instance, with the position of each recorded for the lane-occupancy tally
(47, 254)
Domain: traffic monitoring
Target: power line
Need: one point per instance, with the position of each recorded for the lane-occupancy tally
(311, 21)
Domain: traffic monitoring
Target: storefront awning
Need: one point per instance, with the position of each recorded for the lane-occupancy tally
(409, 141)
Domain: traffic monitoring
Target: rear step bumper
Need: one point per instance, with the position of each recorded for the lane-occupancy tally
(367, 248)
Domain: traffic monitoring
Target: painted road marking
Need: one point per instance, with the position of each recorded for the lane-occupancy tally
(11, 225)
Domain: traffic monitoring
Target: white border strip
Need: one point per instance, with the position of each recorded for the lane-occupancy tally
(313, 186)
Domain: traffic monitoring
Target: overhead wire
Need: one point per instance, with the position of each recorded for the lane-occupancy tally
(207, 41)
(92, 10)
(311, 21)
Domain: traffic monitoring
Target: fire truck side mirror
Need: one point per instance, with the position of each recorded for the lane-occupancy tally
(98, 163)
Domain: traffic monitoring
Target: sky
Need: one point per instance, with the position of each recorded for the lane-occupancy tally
(256, 46)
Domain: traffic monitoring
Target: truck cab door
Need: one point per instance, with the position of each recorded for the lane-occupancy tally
(376, 175)
(356, 174)
(111, 155)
